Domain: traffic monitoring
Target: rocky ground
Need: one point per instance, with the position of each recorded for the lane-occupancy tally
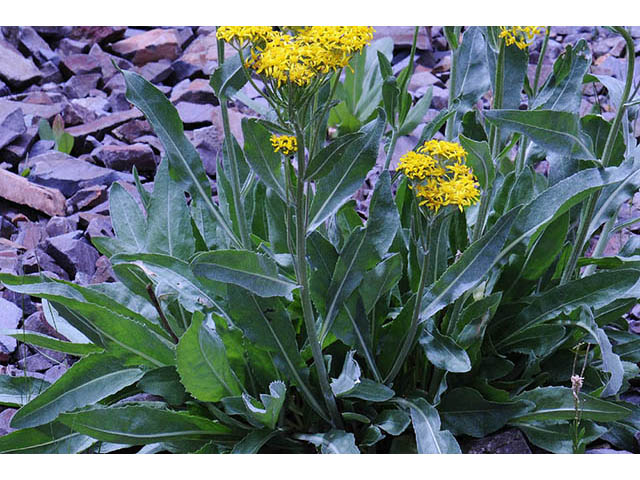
(52, 204)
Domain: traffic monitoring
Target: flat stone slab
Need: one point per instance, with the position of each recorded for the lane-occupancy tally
(42, 111)
(69, 175)
(105, 123)
(10, 316)
(19, 190)
(14, 68)
(150, 46)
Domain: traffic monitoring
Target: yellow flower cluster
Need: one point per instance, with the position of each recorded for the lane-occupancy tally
(301, 55)
(440, 175)
(287, 144)
(522, 37)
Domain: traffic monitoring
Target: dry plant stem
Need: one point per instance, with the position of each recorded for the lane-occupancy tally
(590, 206)
(303, 281)
(163, 319)
(241, 219)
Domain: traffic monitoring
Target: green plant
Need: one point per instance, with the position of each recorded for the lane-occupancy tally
(55, 132)
(278, 320)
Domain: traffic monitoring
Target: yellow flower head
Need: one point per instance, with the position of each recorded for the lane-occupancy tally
(287, 144)
(242, 35)
(440, 175)
(522, 37)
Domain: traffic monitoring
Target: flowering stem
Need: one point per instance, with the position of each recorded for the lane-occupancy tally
(303, 281)
(392, 147)
(497, 99)
(590, 206)
(543, 51)
(451, 122)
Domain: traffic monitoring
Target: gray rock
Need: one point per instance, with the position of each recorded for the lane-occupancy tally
(118, 102)
(25, 302)
(194, 114)
(36, 322)
(60, 225)
(197, 91)
(12, 127)
(73, 253)
(10, 261)
(10, 317)
(7, 229)
(19, 148)
(103, 124)
(55, 372)
(68, 174)
(96, 225)
(80, 64)
(30, 235)
(50, 73)
(403, 36)
(35, 363)
(507, 441)
(41, 111)
(106, 63)
(102, 34)
(104, 272)
(41, 146)
(150, 46)
(129, 131)
(634, 326)
(87, 198)
(69, 46)
(208, 143)
(37, 260)
(16, 70)
(79, 86)
(156, 72)
(125, 157)
(54, 32)
(32, 44)
(4, 89)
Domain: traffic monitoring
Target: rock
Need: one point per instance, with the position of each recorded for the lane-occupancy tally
(73, 253)
(18, 149)
(634, 326)
(106, 63)
(11, 127)
(440, 98)
(99, 34)
(129, 131)
(69, 46)
(208, 143)
(55, 372)
(80, 64)
(125, 157)
(32, 44)
(37, 260)
(35, 363)
(99, 226)
(42, 111)
(16, 70)
(422, 79)
(105, 123)
(403, 36)
(4, 89)
(10, 261)
(196, 91)
(150, 46)
(60, 225)
(18, 189)
(41, 146)
(605, 451)
(7, 229)
(79, 86)
(104, 272)
(5, 421)
(200, 56)
(507, 441)
(67, 174)
(50, 73)
(195, 114)
(36, 322)
(156, 72)
(54, 32)
(25, 302)
(30, 235)
(87, 198)
(10, 317)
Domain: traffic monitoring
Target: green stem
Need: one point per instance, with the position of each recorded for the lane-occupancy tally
(409, 340)
(233, 166)
(303, 281)
(392, 147)
(590, 206)
(497, 99)
(451, 121)
(602, 243)
(543, 51)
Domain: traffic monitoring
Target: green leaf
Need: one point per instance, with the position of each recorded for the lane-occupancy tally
(52, 438)
(345, 178)
(141, 425)
(267, 411)
(471, 267)
(333, 154)
(165, 382)
(546, 248)
(89, 380)
(416, 114)
(472, 71)
(65, 143)
(431, 128)
(128, 222)
(465, 412)
(350, 385)
(394, 422)
(372, 435)
(557, 437)
(390, 93)
(380, 280)
(479, 158)
(537, 340)
(261, 157)
(44, 341)
(426, 425)
(228, 78)
(253, 442)
(253, 271)
(556, 403)
(45, 131)
(185, 165)
(169, 222)
(557, 132)
(444, 352)
(597, 291)
(334, 441)
(18, 391)
(202, 363)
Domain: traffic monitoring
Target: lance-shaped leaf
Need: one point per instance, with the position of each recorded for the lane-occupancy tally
(185, 164)
(350, 385)
(346, 177)
(334, 441)
(479, 157)
(50, 343)
(465, 411)
(444, 352)
(51, 438)
(228, 78)
(261, 156)
(89, 380)
(597, 291)
(18, 391)
(129, 224)
(267, 411)
(472, 71)
(254, 441)
(169, 224)
(253, 271)
(557, 403)
(557, 132)
(141, 425)
(394, 422)
(380, 280)
(426, 425)
(333, 154)
(557, 437)
(471, 267)
(203, 365)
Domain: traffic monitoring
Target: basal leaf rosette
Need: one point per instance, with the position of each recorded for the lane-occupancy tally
(440, 176)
